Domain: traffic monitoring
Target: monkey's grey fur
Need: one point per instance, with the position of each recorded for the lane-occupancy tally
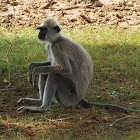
(66, 76)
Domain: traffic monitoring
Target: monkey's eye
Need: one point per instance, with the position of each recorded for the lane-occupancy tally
(57, 28)
(42, 29)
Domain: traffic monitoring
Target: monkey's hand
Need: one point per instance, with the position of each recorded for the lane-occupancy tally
(31, 75)
(33, 79)
(30, 69)
(30, 78)
(33, 65)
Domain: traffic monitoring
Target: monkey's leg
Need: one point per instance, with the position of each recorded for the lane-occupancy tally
(32, 101)
(49, 92)
(66, 92)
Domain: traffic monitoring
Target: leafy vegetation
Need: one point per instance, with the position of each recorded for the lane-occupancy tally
(115, 54)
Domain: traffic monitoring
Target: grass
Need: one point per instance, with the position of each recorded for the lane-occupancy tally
(115, 54)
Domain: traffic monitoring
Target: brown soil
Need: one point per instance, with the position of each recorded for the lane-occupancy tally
(70, 13)
(92, 123)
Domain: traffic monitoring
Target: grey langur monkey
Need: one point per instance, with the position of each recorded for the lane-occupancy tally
(65, 77)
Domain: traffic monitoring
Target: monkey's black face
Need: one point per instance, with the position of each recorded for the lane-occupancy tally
(42, 33)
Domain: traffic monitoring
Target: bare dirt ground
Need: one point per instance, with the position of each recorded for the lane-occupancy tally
(124, 13)
(64, 123)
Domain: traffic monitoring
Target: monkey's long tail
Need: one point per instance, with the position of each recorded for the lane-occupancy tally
(87, 104)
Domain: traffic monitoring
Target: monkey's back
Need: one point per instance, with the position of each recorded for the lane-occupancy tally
(80, 62)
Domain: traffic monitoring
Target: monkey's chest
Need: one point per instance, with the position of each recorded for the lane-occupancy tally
(50, 55)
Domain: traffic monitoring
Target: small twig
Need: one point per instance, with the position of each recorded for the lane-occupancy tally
(86, 18)
(75, 6)
(8, 51)
(5, 39)
(47, 5)
(62, 119)
(14, 11)
(122, 119)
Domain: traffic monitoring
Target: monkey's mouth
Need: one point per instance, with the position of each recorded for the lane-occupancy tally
(41, 37)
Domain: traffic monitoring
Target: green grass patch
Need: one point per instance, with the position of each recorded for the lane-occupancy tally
(115, 53)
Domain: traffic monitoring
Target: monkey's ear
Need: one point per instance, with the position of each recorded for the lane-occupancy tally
(57, 28)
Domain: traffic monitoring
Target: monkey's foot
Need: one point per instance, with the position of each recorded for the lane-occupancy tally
(29, 101)
(32, 109)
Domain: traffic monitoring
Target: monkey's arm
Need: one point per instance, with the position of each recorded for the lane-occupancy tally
(38, 64)
(49, 69)
(31, 66)
(61, 66)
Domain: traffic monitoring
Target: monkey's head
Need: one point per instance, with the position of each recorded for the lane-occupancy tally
(49, 30)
